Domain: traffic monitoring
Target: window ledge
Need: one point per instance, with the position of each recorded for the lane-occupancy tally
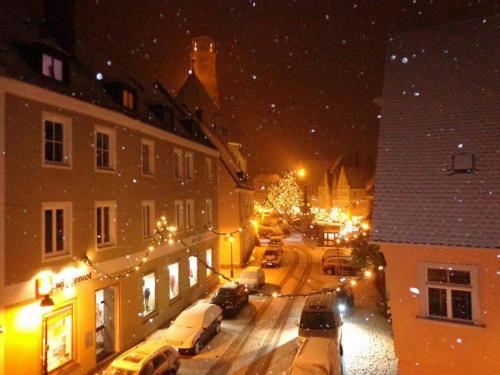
(149, 175)
(150, 315)
(105, 170)
(175, 299)
(106, 247)
(451, 321)
(55, 165)
(55, 258)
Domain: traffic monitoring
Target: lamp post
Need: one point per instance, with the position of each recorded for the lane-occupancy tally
(231, 240)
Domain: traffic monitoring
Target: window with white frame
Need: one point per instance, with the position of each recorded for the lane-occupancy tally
(189, 165)
(179, 214)
(105, 223)
(148, 157)
(451, 292)
(52, 67)
(148, 222)
(173, 274)
(208, 169)
(193, 270)
(105, 148)
(56, 140)
(149, 293)
(208, 212)
(56, 224)
(210, 261)
(189, 213)
(178, 166)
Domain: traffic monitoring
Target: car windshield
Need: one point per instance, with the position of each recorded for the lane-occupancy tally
(118, 371)
(270, 253)
(226, 292)
(317, 320)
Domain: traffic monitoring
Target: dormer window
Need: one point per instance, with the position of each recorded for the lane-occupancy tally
(128, 99)
(52, 67)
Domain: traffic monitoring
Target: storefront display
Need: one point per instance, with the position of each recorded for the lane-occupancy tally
(193, 271)
(149, 293)
(209, 261)
(58, 338)
(173, 272)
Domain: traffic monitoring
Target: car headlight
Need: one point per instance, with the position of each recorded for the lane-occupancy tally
(341, 307)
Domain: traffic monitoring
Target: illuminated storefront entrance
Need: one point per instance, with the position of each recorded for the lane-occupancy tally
(104, 323)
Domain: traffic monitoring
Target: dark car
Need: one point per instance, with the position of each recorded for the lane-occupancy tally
(345, 299)
(231, 297)
(271, 257)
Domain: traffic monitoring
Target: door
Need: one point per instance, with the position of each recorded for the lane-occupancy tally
(104, 323)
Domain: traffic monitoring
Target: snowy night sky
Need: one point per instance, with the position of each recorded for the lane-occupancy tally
(297, 79)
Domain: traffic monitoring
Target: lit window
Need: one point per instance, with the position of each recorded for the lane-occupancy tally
(57, 140)
(450, 292)
(189, 165)
(173, 274)
(105, 147)
(128, 99)
(210, 175)
(148, 157)
(105, 223)
(58, 338)
(57, 229)
(179, 214)
(178, 170)
(193, 270)
(210, 261)
(148, 223)
(189, 213)
(52, 67)
(149, 293)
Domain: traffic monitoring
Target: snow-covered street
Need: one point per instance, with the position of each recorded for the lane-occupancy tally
(263, 338)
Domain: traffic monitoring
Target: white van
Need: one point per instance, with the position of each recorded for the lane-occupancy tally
(316, 356)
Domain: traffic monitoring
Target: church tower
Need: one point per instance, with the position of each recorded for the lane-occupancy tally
(203, 60)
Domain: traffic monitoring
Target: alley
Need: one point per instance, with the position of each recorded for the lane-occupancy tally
(263, 338)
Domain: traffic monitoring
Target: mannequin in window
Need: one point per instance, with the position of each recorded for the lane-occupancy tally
(147, 293)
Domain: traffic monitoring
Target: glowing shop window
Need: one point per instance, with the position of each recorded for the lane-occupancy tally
(173, 272)
(193, 271)
(149, 293)
(209, 261)
(58, 338)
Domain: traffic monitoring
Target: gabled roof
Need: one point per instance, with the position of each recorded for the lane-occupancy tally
(441, 98)
(193, 96)
(358, 173)
(20, 42)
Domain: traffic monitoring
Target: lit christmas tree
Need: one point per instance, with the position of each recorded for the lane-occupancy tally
(286, 196)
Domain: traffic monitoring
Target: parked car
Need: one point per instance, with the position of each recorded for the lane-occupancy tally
(276, 241)
(252, 277)
(316, 356)
(345, 299)
(192, 329)
(231, 297)
(338, 266)
(320, 317)
(341, 252)
(149, 357)
(267, 231)
(271, 257)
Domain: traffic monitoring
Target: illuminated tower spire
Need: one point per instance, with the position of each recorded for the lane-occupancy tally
(203, 60)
